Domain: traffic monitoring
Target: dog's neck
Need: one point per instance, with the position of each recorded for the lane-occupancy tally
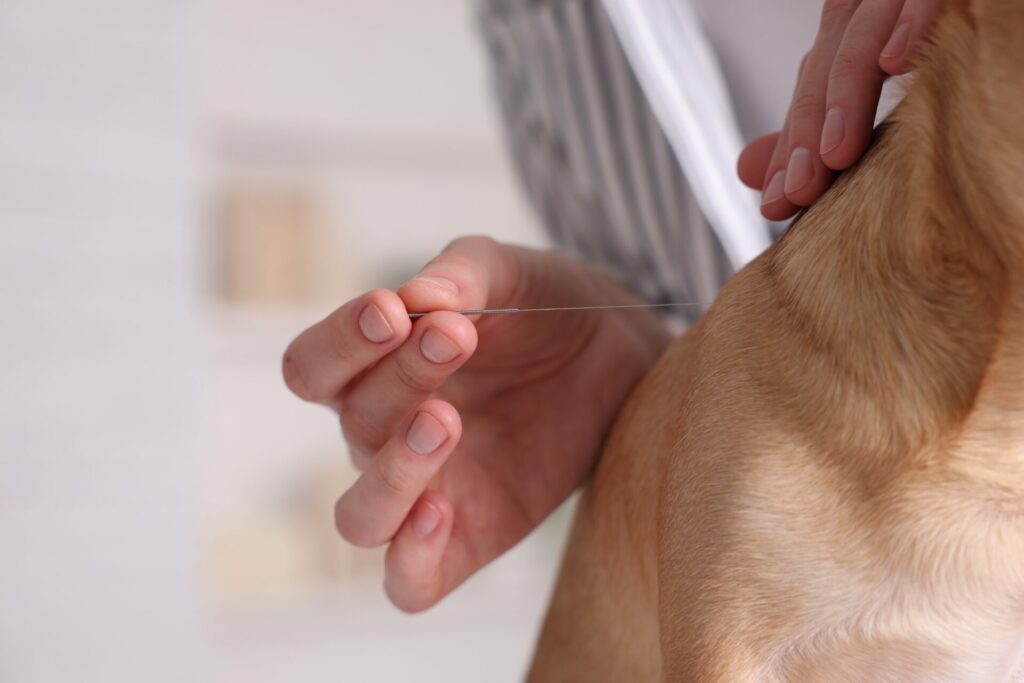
(916, 296)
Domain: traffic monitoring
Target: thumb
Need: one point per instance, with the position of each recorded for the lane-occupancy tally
(471, 273)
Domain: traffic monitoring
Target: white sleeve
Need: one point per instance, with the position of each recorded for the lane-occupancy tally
(679, 74)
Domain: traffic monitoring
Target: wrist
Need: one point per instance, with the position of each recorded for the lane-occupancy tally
(625, 348)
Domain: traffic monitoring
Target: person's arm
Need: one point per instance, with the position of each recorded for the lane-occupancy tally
(828, 128)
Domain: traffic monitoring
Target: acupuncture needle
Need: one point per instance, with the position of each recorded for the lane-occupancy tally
(494, 311)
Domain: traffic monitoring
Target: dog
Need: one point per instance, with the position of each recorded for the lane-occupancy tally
(823, 480)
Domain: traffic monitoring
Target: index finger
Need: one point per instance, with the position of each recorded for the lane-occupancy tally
(322, 360)
(855, 83)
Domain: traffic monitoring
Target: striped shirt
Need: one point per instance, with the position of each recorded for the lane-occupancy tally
(596, 162)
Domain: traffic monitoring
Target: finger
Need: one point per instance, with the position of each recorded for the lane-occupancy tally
(753, 161)
(913, 24)
(855, 84)
(440, 343)
(774, 205)
(471, 273)
(322, 360)
(807, 172)
(807, 176)
(372, 510)
(413, 566)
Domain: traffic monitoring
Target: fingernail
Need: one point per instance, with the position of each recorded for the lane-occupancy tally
(834, 130)
(800, 171)
(898, 42)
(773, 192)
(425, 519)
(425, 434)
(440, 282)
(438, 348)
(374, 325)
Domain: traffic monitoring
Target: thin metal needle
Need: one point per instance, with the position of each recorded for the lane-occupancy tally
(490, 311)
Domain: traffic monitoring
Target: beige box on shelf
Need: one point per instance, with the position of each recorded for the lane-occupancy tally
(276, 246)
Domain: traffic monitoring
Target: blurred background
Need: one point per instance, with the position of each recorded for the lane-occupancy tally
(184, 186)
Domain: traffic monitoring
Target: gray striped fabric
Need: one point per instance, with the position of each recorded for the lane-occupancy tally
(590, 152)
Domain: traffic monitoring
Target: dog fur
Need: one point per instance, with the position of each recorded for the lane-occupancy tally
(823, 480)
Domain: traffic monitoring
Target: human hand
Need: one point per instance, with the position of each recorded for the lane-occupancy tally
(832, 114)
(470, 431)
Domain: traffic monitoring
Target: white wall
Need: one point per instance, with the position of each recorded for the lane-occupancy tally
(401, 67)
(96, 457)
(385, 107)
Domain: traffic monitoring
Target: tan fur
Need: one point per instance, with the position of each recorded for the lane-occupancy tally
(824, 479)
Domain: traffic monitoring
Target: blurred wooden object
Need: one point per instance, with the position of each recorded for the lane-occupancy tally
(276, 247)
(291, 548)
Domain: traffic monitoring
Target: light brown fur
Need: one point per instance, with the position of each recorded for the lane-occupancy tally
(823, 480)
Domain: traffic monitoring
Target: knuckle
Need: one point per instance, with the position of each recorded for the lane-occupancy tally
(467, 254)
(803, 64)
(835, 11)
(844, 66)
(395, 473)
(376, 295)
(294, 378)
(806, 106)
(360, 458)
(340, 338)
(411, 377)
(362, 435)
